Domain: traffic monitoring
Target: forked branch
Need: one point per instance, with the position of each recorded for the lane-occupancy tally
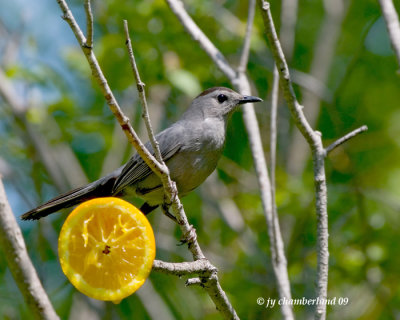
(318, 152)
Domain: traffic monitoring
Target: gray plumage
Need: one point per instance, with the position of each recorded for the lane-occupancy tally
(191, 148)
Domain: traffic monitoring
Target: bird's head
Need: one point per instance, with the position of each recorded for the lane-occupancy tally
(217, 102)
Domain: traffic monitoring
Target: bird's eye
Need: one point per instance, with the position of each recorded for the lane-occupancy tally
(221, 98)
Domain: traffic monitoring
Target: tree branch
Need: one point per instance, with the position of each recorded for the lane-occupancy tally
(392, 24)
(19, 263)
(142, 95)
(89, 24)
(314, 140)
(202, 267)
(345, 138)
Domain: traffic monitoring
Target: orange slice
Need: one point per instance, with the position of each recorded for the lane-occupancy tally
(106, 248)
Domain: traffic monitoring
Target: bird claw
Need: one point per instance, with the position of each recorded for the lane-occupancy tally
(165, 208)
(188, 237)
(168, 202)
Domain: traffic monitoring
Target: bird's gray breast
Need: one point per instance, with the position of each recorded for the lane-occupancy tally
(199, 155)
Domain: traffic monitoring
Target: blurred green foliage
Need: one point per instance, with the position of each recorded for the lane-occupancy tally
(67, 111)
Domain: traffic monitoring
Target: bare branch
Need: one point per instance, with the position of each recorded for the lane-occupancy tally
(202, 266)
(20, 265)
(142, 95)
(286, 84)
(247, 38)
(314, 140)
(392, 24)
(89, 24)
(345, 138)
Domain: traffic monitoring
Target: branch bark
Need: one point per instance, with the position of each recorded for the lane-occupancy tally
(345, 138)
(202, 266)
(19, 263)
(142, 95)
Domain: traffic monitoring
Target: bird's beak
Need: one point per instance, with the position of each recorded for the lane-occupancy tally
(247, 99)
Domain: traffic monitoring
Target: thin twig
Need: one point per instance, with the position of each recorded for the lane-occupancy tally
(19, 263)
(314, 140)
(244, 58)
(142, 95)
(392, 24)
(345, 138)
(89, 24)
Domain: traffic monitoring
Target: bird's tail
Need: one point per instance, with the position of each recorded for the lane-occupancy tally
(99, 188)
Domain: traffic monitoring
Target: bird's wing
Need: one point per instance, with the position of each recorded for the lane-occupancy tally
(136, 169)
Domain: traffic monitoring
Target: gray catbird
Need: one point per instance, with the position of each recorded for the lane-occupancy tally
(191, 148)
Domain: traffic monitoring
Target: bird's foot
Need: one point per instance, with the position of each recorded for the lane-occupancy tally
(189, 237)
(174, 194)
(168, 202)
(165, 210)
